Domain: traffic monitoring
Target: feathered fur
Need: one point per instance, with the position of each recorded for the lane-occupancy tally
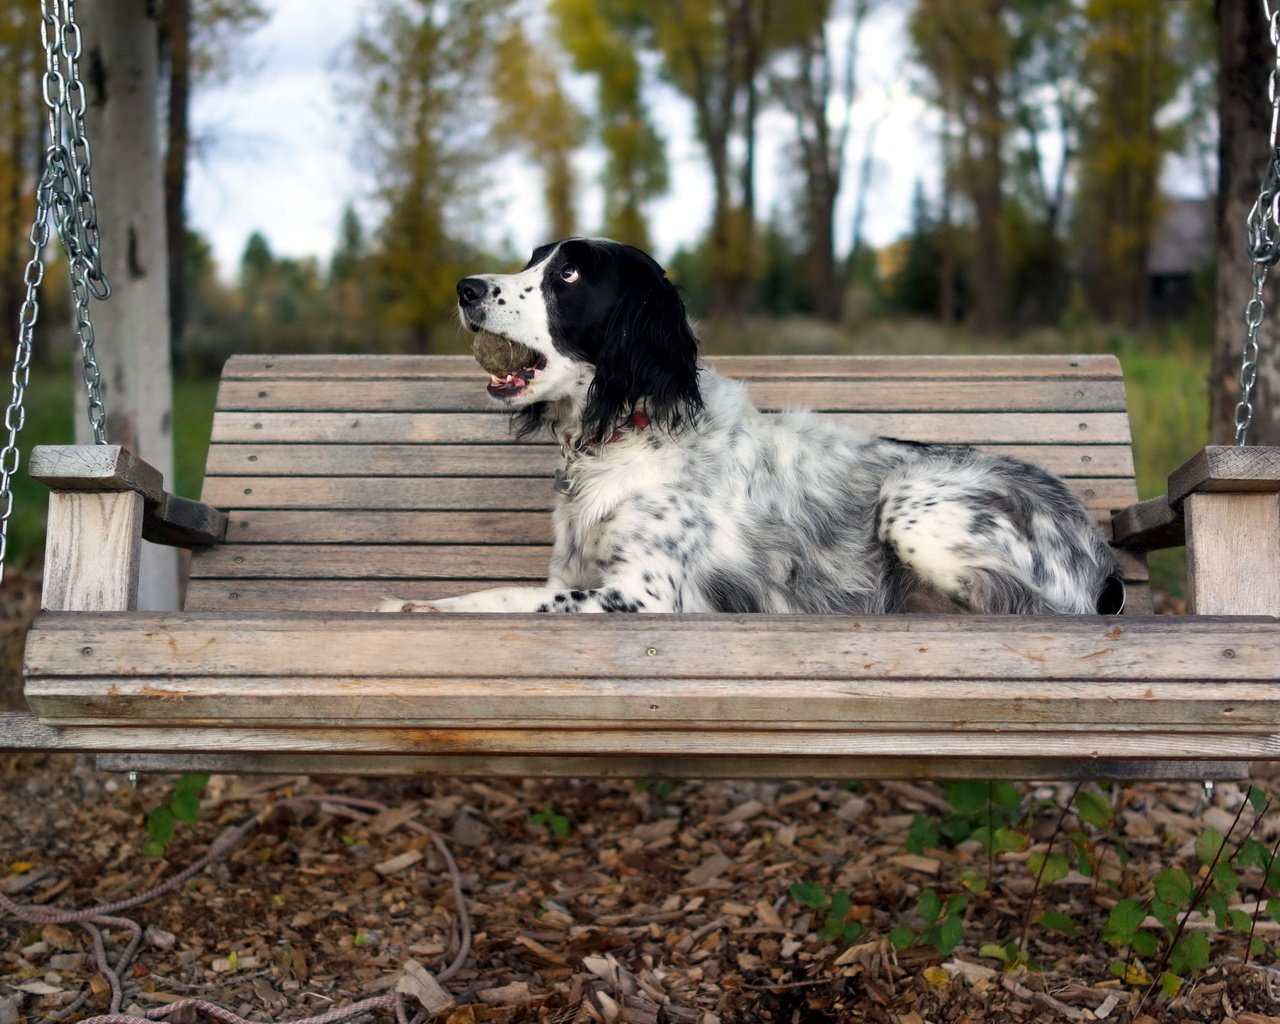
(679, 496)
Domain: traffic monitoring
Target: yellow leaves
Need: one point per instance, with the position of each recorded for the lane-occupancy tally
(936, 977)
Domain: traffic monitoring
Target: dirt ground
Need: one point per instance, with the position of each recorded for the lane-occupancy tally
(631, 902)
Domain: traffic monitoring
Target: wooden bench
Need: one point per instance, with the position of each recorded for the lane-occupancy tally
(345, 479)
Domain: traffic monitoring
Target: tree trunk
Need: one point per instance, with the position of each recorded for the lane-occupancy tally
(121, 77)
(1246, 60)
(177, 31)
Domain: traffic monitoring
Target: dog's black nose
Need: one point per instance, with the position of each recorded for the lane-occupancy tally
(471, 290)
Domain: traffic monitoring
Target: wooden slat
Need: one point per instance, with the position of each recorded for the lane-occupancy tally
(525, 562)
(1155, 746)
(954, 394)
(317, 595)
(361, 367)
(728, 767)
(491, 428)
(541, 460)
(359, 526)
(359, 595)
(441, 493)
(788, 705)
(482, 493)
(515, 556)
(864, 648)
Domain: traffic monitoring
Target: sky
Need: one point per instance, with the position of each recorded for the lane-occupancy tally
(280, 155)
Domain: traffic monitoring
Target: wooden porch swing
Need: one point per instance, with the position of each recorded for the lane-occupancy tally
(332, 481)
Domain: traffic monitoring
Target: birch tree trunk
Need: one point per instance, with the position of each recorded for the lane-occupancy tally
(120, 73)
(1247, 57)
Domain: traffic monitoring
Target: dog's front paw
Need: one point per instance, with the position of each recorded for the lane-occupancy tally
(395, 604)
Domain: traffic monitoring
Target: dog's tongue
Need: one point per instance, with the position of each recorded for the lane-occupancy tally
(500, 357)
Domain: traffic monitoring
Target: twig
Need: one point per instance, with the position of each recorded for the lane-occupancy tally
(94, 919)
(1044, 865)
(1167, 952)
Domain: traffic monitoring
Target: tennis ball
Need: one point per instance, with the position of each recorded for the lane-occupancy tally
(499, 356)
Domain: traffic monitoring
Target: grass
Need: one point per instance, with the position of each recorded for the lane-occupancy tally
(1166, 378)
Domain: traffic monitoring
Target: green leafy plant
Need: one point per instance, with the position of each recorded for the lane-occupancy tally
(943, 925)
(834, 910)
(559, 825)
(182, 806)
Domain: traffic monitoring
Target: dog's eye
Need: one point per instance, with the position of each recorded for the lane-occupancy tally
(569, 273)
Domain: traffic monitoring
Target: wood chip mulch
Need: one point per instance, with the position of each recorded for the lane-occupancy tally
(658, 906)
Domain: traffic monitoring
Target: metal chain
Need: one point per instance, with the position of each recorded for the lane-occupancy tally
(1263, 239)
(76, 211)
(64, 197)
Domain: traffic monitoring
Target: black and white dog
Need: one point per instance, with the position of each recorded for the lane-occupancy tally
(677, 495)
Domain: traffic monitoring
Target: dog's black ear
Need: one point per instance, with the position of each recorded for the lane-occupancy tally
(648, 358)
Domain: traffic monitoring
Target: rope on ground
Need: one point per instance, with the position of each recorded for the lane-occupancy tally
(94, 919)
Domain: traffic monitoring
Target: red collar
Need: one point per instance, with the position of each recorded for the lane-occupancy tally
(636, 421)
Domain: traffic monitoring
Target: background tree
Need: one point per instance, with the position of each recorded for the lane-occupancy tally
(636, 165)
(1247, 58)
(535, 114)
(819, 75)
(1131, 79)
(965, 45)
(421, 71)
(199, 42)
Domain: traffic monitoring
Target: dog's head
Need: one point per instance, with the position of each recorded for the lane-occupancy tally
(596, 314)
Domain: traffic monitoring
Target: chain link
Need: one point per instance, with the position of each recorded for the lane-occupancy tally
(64, 198)
(1263, 243)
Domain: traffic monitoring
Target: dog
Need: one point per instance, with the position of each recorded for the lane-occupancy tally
(678, 495)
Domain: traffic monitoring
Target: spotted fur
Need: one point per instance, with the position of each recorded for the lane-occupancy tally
(703, 504)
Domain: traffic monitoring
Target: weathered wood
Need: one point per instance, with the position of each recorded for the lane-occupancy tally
(490, 428)
(359, 595)
(110, 467)
(24, 732)
(820, 395)
(434, 701)
(507, 554)
(540, 460)
(93, 542)
(657, 647)
(1222, 468)
(478, 493)
(372, 493)
(881, 768)
(317, 595)
(360, 526)
(181, 522)
(1233, 553)
(374, 561)
(907, 368)
(1149, 526)
(1155, 745)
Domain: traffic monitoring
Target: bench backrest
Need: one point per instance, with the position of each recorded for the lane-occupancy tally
(349, 478)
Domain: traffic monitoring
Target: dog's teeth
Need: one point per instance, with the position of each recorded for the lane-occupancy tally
(494, 379)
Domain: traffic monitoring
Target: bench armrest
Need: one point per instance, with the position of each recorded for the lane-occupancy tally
(105, 501)
(1224, 504)
(1148, 526)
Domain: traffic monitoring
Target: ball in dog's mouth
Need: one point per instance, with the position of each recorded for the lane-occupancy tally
(510, 365)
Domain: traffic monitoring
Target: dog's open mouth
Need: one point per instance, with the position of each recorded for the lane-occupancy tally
(511, 366)
(516, 381)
